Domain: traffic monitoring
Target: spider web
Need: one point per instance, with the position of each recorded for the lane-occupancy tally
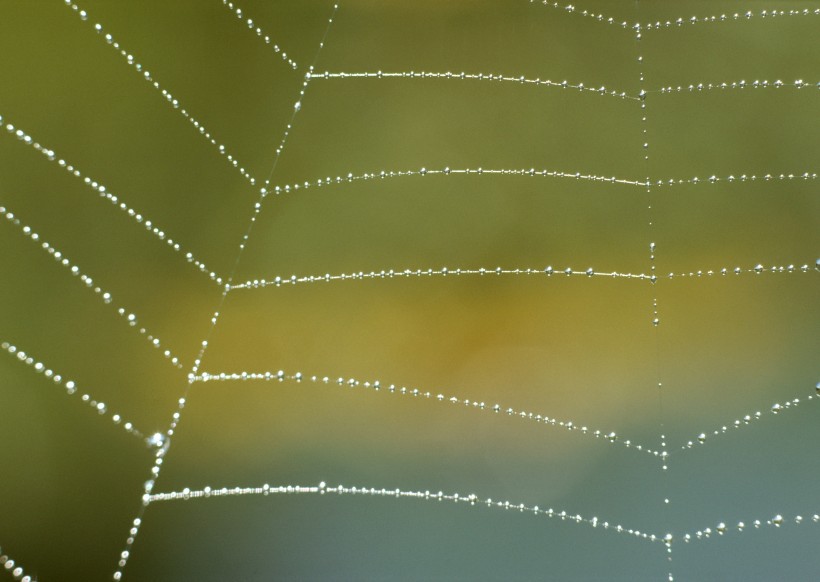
(409, 292)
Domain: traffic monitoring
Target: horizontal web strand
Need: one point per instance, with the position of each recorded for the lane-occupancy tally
(730, 17)
(71, 388)
(105, 296)
(103, 192)
(429, 272)
(168, 97)
(758, 269)
(532, 172)
(742, 526)
(323, 489)
(376, 386)
(734, 178)
(447, 171)
(740, 85)
(497, 77)
(776, 409)
(234, 8)
(682, 21)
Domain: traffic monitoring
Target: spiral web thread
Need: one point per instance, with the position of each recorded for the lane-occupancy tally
(160, 442)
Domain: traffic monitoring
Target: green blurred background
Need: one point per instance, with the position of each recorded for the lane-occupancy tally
(572, 348)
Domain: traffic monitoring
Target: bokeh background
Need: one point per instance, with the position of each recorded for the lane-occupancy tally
(573, 348)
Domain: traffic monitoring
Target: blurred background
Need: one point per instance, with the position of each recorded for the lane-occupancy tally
(572, 348)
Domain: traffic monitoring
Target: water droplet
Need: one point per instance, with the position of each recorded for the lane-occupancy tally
(156, 440)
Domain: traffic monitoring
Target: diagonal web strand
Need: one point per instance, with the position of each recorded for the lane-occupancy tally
(249, 23)
(167, 95)
(103, 192)
(128, 316)
(71, 388)
(164, 439)
(15, 569)
(775, 410)
(578, 11)
(721, 528)
(464, 403)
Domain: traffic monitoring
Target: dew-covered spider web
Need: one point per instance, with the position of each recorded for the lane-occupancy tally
(428, 290)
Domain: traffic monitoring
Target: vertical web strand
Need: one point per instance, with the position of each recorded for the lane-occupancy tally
(645, 147)
(162, 441)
